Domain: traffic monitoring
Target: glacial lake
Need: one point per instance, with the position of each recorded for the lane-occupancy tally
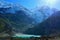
(25, 36)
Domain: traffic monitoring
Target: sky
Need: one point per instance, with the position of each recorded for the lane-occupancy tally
(31, 4)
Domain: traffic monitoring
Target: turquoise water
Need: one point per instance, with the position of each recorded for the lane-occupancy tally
(25, 36)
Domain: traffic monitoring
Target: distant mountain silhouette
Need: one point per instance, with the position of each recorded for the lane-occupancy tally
(42, 13)
(51, 26)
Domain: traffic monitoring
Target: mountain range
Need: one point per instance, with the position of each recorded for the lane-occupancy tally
(16, 18)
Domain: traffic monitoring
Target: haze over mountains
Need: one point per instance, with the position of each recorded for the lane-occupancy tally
(41, 14)
(18, 19)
